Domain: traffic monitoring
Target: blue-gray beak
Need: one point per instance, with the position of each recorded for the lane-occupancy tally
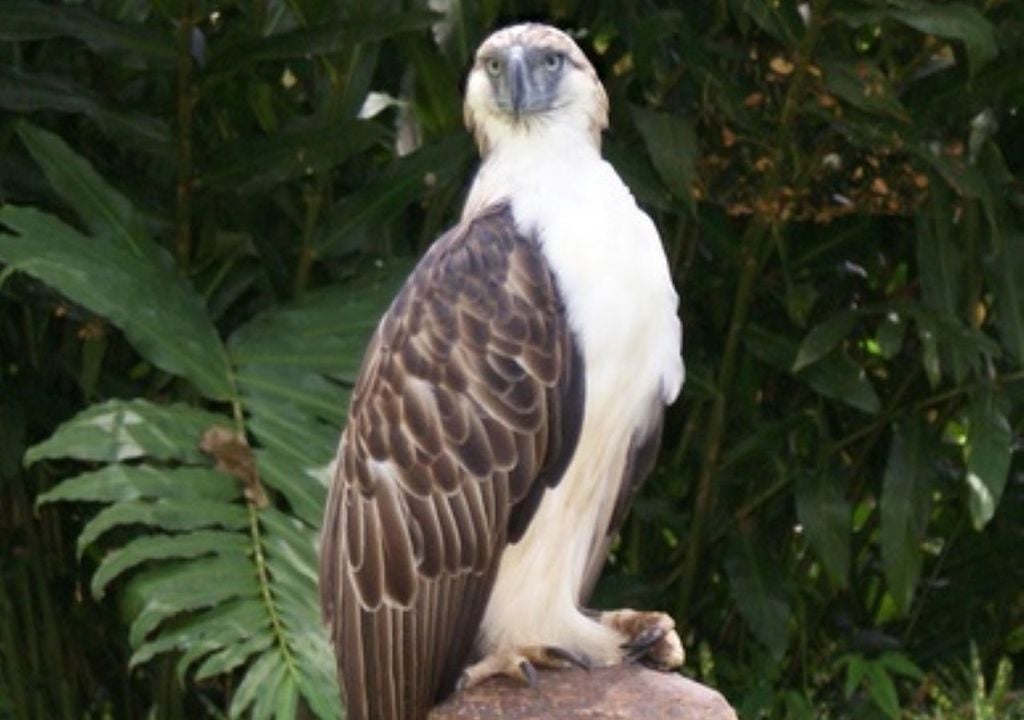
(516, 75)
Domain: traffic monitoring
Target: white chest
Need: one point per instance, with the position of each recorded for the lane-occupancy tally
(614, 279)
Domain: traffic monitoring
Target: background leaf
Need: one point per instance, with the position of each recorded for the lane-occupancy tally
(174, 333)
(906, 503)
(827, 519)
(989, 440)
(759, 594)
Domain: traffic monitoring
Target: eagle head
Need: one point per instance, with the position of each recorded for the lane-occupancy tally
(528, 79)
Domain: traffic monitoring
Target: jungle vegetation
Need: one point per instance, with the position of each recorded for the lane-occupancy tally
(206, 204)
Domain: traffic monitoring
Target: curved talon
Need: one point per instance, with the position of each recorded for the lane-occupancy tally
(529, 673)
(577, 659)
(651, 638)
(644, 640)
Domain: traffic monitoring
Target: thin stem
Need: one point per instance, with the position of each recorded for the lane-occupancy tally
(716, 425)
(183, 208)
(314, 200)
(886, 418)
(260, 559)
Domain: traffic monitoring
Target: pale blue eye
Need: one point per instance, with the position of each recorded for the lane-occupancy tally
(553, 61)
(492, 66)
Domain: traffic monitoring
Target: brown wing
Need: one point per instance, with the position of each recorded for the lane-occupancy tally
(468, 406)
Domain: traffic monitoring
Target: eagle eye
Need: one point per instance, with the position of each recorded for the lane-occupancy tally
(493, 66)
(553, 61)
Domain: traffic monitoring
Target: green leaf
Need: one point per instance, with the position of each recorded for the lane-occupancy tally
(672, 146)
(256, 678)
(436, 97)
(117, 483)
(159, 312)
(26, 92)
(317, 679)
(882, 690)
(956, 21)
(927, 333)
(120, 430)
(325, 332)
(820, 341)
(105, 211)
(827, 519)
(29, 20)
(780, 20)
(165, 547)
(233, 655)
(891, 330)
(900, 664)
(905, 506)
(940, 266)
(939, 259)
(989, 450)
(759, 594)
(864, 86)
(255, 164)
(171, 514)
(1005, 270)
(838, 377)
(186, 586)
(404, 181)
(953, 20)
(835, 376)
(224, 626)
(318, 40)
(856, 669)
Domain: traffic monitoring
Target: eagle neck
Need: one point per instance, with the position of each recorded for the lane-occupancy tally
(529, 163)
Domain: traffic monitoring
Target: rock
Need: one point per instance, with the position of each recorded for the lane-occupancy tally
(622, 692)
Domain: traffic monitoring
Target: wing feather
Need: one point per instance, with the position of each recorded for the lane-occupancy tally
(468, 406)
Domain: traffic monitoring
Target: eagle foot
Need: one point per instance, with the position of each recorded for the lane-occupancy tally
(521, 665)
(651, 638)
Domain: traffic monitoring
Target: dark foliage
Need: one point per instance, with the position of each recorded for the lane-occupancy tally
(206, 204)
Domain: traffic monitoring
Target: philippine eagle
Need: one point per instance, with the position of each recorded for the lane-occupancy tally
(508, 405)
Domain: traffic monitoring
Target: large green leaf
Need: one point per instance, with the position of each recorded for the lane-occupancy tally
(941, 268)
(255, 164)
(325, 332)
(838, 377)
(318, 40)
(905, 506)
(104, 210)
(759, 593)
(30, 20)
(672, 146)
(171, 514)
(119, 483)
(989, 449)
(215, 630)
(864, 86)
(1006, 271)
(953, 20)
(404, 181)
(27, 92)
(835, 375)
(827, 519)
(822, 338)
(175, 588)
(166, 547)
(158, 311)
(120, 430)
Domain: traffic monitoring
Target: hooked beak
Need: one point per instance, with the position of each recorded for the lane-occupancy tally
(516, 75)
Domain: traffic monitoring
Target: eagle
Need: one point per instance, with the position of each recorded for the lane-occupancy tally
(508, 405)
